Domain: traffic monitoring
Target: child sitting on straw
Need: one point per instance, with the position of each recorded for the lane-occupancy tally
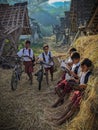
(67, 62)
(78, 92)
(65, 86)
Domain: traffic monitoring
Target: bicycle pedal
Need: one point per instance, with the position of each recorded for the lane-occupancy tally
(19, 77)
(44, 73)
(36, 74)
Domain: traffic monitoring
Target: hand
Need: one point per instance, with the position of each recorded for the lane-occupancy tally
(71, 72)
(82, 86)
(40, 59)
(73, 79)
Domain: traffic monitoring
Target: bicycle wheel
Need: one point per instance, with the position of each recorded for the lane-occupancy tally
(39, 85)
(40, 78)
(14, 81)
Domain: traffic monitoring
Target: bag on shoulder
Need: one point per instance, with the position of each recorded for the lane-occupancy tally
(33, 60)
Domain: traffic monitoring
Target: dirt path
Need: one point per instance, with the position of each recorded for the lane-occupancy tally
(26, 108)
(23, 109)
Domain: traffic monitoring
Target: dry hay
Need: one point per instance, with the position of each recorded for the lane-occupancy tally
(87, 118)
(88, 48)
(29, 109)
(24, 109)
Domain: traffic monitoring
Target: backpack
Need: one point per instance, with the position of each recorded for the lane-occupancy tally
(29, 54)
(50, 59)
(29, 51)
(49, 56)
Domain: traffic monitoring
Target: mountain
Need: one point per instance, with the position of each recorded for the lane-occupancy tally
(48, 14)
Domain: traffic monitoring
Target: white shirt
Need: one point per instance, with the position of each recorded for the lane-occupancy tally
(74, 66)
(68, 77)
(82, 77)
(63, 64)
(47, 59)
(25, 52)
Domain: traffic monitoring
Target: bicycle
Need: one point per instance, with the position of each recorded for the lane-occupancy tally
(17, 72)
(40, 73)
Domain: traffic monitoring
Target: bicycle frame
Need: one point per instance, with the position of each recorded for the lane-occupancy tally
(40, 73)
(17, 71)
(41, 70)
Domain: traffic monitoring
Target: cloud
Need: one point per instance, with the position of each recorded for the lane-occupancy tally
(51, 1)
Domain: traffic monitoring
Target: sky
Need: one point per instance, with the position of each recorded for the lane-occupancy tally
(51, 1)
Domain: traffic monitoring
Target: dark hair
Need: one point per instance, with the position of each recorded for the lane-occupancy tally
(45, 45)
(28, 42)
(72, 50)
(75, 55)
(86, 62)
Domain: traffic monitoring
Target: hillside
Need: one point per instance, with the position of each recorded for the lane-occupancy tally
(47, 14)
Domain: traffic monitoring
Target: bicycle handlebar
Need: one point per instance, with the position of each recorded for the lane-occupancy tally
(20, 58)
(43, 63)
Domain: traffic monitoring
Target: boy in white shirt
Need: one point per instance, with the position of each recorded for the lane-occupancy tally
(47, 57)
(67, 62)
(28, 58)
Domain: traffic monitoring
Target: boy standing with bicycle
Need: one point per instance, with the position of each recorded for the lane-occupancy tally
(47, 57)
(28, 58)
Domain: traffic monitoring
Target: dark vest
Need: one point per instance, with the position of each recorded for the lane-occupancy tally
(87, 77)
(76, 69)
(49, 56)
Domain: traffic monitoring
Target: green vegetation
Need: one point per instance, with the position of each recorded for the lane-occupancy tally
(37, 48)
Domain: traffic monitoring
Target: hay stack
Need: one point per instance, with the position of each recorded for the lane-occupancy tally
(87, 118)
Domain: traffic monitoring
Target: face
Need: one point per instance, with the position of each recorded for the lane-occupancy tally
(27, 45)
(84, 68)
(70, 53)
(75, 61)
(46, 49)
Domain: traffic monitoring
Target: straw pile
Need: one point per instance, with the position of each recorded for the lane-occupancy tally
(87, 119)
